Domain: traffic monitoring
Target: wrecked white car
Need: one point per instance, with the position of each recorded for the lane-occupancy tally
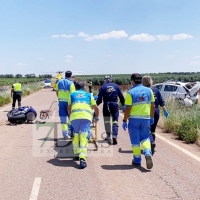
(186, 93)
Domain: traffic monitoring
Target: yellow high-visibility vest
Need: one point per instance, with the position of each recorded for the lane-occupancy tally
(17, 87)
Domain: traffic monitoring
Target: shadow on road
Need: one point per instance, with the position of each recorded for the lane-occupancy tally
(127, 151)
(124, 167)
(63, 163)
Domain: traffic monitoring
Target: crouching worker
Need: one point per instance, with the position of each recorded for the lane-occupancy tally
(80, 107)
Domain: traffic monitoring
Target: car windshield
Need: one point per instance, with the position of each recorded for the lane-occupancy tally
(47, 81)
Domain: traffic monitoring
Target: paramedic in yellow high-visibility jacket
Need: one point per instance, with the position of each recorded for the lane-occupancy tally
(64, 88)
(139, 111)
(80, 105)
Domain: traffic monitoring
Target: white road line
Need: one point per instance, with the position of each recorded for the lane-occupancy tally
(22, 100)
(35, 189)
(175, 145)
(178, 147)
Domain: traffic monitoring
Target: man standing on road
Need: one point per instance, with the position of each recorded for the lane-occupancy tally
(64, 88)
(110, 92)
(16, 94)
(139, 110)
(81, 115)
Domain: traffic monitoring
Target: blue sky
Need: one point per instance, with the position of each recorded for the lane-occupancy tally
(99, 36)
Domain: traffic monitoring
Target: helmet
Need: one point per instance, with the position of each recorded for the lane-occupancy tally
(107, 77)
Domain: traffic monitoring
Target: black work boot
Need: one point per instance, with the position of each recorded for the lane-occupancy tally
(149, 162)
(83, 163)
(114, 141)
(153, 145)
(107, 136)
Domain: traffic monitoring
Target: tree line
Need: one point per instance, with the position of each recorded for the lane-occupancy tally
(25, 76)
(124, 79)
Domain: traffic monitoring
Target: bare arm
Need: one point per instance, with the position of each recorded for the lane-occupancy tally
(12, 90)
(164, 108)
(127, 112)
(57, 93)
(152, 110)
(96, 110)
(69, 109)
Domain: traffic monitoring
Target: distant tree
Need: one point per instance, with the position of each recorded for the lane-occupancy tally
(9, 76)
(18, 76)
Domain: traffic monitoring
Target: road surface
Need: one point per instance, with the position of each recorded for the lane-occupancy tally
(31, 167)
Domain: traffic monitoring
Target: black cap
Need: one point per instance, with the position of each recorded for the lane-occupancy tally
(137, 78)
(68, 74)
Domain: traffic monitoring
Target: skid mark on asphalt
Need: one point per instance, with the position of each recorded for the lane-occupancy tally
(35, 189)
(22, 100)
(175, 145)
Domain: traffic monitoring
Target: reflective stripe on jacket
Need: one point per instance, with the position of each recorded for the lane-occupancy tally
(64, 87)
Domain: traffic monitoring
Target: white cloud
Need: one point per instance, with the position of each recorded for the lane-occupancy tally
(81, 34)
(171, 56)
(68, 60)
(163, 37)
(143, 37)
(21, 64)
(108, 55)
(194, 63)
(104, 36)
(55, 36)
(62, 36)
(69, 56)
(197, 56)
(178, 50)
(181, 36)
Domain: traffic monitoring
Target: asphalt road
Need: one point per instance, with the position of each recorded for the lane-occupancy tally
(31, 167)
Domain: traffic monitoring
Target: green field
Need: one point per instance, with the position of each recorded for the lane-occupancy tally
(10, 81)
(124, 79)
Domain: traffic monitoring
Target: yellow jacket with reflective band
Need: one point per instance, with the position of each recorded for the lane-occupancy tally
(81, 103)
(17, 87)
(140, 98)
(64, 87)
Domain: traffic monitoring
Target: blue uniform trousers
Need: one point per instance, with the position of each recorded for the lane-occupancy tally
(153, 126)
(139, 133)
(63, 114)
(81, 128)
(111, 109)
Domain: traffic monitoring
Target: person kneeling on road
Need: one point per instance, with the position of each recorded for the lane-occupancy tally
(139, 110)
(80, 107)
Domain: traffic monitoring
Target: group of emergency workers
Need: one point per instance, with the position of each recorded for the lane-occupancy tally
(140, 107)
(140, 110)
